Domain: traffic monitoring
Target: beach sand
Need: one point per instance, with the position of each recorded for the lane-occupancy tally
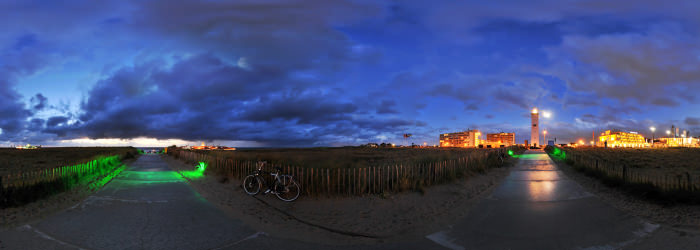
(342, 220)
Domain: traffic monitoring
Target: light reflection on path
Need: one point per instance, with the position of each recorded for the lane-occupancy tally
(538, 207)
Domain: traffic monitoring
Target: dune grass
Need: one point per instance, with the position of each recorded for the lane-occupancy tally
(12, 160)
(345, 157)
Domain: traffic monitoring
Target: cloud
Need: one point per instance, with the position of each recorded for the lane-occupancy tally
(655, 67)
(299, 34)
(308, 108)
(13, 112)
(19, 61)
(38, 102)
(387, 107)
(692, 121)
(204, 98)
(55, 121)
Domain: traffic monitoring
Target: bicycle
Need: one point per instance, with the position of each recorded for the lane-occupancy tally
(284, 186)
(501, 158)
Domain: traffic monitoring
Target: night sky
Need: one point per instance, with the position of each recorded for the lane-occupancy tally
(264, 73)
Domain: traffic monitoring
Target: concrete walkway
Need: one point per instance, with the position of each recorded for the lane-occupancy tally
(151, 207)
(148, 206)
(537, 207)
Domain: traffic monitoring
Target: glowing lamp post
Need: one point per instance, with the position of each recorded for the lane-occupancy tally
(653, 129)
(545, 137)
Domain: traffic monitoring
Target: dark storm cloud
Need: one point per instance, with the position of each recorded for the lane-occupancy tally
(692, 121)
(22, 59)
(293, 33)
(36, 124)
(387, 107)
(204, 98)
(307, 109)
(298, 72)
(56, 120)
(649, 67)
(512, 98)
(12, 111)
(38, 102)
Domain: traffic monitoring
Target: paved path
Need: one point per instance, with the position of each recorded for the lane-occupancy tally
(537, 207)
(151, 207)
(148, 206)
(145, 207)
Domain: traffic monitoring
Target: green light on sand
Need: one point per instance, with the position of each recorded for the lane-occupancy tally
(559, 154)
(197, 173)
(201, 166)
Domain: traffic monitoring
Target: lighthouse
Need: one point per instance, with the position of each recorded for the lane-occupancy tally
(535, 130)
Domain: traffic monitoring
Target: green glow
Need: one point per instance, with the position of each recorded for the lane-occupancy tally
(151, 176)
(192, 174)
(510, 152)
(558, 153)
(527, 156)
(197, 173)
(201, 166)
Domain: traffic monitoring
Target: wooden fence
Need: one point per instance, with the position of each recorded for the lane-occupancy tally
(687, 182)
(21, 187)
(21, 179)
(357, 181)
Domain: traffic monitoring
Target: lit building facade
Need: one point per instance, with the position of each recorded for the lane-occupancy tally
(621, 140)
(498, 139)
(680, 142)
(535, 130)
(466, 139)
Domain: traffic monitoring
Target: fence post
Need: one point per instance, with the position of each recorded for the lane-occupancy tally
(596, 164)
(687, 175)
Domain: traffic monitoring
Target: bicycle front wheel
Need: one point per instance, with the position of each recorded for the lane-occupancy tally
(287, 189)
(251, 185)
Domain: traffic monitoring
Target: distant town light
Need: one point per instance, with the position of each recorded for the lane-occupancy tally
(668, 132)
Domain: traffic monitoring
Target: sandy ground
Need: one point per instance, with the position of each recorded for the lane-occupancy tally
(340, 220)
(38, 210)
(679, 217)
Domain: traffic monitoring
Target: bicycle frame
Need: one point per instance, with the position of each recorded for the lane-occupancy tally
(276, 175)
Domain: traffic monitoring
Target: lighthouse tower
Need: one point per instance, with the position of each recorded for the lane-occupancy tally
(535, 130)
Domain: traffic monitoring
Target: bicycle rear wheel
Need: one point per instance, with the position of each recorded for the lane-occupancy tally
(251, 185)
(287, 189)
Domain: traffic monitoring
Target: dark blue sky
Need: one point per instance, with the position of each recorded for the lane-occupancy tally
(329, 73)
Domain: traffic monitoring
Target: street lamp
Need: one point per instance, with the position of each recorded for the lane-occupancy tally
(545, 137)
(652, 135)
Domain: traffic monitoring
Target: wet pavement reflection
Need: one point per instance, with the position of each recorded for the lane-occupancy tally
(538, 207)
